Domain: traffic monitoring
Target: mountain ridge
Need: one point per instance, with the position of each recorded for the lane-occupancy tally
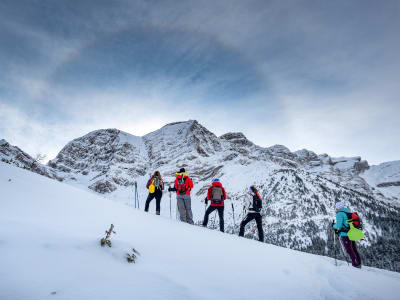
(110, 162)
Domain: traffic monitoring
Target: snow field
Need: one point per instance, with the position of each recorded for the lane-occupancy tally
(49, 248)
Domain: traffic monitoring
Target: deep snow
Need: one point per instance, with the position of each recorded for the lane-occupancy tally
(49, 247)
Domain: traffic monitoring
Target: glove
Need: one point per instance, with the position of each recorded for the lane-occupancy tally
(205, 200)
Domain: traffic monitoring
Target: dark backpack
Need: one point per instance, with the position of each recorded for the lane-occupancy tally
(217, 194)
(257, 203)
(181, 185)
(355, 219)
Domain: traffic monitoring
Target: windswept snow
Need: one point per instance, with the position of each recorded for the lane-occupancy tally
(49, 247)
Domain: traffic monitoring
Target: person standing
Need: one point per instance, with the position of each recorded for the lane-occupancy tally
(183, 185)
(253, 213)
(155, 185)
(217, 195)
(341, 228)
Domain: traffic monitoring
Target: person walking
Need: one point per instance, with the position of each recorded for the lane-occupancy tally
(183, 185)
(341, 228)
(253, 213)
(155, 185)
(217, 195)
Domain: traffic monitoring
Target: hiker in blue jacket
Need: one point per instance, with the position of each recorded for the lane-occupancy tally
(341, 228)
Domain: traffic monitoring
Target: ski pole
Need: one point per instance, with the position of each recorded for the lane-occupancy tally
(334, 247)
(138, 202)
(341, 248)
(233, 215)
(135, 193)
(170, 213)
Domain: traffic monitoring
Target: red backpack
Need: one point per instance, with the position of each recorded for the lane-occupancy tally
(181, 187)
(355, 219)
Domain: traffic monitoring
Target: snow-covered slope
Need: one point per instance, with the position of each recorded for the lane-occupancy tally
(299, 188)
(49, 248)
(385, 178)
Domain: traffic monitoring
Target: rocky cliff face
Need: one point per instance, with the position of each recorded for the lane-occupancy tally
(15, 156)
(103, 159)
(299, 188)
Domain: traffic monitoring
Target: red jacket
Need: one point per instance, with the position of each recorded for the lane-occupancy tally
(209, 194)
(188, 184)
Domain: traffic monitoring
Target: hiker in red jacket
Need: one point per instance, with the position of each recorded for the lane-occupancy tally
(183, 185)
(216, 194)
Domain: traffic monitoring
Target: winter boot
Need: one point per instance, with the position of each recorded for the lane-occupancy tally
(157, 212)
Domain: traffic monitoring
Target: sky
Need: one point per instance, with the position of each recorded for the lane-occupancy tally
(321, 75)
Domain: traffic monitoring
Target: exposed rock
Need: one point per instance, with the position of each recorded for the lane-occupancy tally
(387, 184)
(103, 187)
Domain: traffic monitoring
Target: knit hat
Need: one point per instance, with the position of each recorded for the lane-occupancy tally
(340, 205)
(182, 170)
(216, 180)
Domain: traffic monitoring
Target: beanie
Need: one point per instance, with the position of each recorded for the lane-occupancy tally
(340, 205)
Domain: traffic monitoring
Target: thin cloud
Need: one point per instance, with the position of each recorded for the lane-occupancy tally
(282, 72)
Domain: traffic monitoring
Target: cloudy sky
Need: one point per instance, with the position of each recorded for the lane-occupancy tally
(321, 75)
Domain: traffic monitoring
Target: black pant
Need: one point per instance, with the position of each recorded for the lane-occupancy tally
(209, 210)
(247, 219)
(157, 194)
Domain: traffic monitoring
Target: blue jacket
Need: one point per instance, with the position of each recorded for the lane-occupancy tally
(341, 221)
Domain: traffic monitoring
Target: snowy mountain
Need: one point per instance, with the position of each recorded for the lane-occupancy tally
(385, 178)
(299, 188)
(13, 155)
(49, 248)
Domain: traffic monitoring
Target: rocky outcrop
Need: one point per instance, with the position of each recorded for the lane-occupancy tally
(387, 184)
(15, 156)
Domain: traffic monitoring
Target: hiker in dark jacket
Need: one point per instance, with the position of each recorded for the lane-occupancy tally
(216, 194)
(341, 228)
(253, 212)
(155, 185)
(183, 186)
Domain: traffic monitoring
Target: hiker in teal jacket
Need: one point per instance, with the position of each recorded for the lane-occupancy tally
(341, 224)
(341, 221)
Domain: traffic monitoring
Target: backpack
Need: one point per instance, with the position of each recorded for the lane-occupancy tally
(257, 203)
(156, 182)
(355, 232)
(355, 219)
(152, 187)
(217, 194)
(181, 187)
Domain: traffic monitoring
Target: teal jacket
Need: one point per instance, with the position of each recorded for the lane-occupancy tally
(341, 221)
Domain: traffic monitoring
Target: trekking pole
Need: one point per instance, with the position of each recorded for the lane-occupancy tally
(334, 247)
(135, 192)
(137, 195)
(233, 215)
(170, 213)
(344, 255)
